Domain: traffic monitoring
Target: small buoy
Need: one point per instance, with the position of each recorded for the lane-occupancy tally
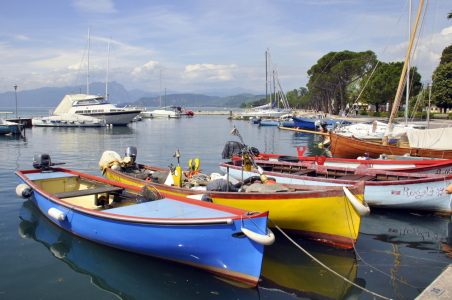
(201, 197)
(23, 191)
(56, 214)
(320, 145)
(449, 189)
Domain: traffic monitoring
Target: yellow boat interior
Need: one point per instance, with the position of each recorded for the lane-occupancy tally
(89, 193)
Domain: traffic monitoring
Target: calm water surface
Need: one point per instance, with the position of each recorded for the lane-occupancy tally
(397, 254)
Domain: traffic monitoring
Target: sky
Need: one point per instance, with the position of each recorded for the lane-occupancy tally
(202, 45)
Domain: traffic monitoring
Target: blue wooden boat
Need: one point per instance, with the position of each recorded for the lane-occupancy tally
(220, 239)
(269, 123)
(316, 123)
(110, 269)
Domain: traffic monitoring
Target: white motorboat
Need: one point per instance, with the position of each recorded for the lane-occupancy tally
(376, 129)
(68, 120)
(163, 113)
(97, 107)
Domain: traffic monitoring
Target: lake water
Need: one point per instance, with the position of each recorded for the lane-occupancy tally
(397, 253)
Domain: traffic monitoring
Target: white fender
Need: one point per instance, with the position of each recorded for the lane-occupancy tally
(56, 214)
(267, 239)
(23, 191)
(201, 197)
(362, 208)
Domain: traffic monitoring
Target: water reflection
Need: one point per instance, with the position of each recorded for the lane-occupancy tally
(127, 275)
(290, 270)
(418, 230)
(120, 130)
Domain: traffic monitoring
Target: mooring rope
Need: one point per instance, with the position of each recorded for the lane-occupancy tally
(325, 266)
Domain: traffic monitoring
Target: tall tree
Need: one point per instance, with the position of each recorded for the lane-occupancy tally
(380, 87)
(335, 71)
(442, 81)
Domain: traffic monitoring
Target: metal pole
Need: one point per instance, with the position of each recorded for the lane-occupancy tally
(428, 111)
(15, 93)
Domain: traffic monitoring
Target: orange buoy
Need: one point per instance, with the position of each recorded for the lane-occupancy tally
(449, 189)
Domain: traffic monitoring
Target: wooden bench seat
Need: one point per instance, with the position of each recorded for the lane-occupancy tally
(86, 192)
(356, 177)
(303, 172)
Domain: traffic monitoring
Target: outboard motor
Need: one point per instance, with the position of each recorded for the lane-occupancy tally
(317, 125)
(323, 126)
(42, 161)
(131, 152)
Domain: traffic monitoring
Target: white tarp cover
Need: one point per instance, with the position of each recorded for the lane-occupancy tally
(437, 139)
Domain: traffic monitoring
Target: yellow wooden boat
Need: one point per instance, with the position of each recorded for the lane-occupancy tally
(330, 215)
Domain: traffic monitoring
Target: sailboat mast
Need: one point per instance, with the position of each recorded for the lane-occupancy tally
(266, 77)
(407, 103)
(108, 68)
(87, 69)
(398, 96)
(160, 90)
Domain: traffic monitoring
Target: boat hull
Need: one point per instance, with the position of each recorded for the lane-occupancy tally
(317, 213)
(428, 192)
(116, 118)
(209, 244)
(310, 123)
(68, 121)
(350, 147)
(404, 164)
(161, 113)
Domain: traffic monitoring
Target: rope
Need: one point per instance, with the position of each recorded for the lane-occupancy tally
(325, 266)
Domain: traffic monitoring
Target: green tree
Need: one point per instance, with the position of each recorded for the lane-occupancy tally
(332, 74)
(446, 56)
(442, 86)
(380, 87)
(295, 97)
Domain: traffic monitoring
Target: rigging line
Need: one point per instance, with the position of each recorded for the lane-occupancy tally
(384, 50)
(325, 266)
(80, 66)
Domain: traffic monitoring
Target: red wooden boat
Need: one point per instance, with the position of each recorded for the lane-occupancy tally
(384, 162)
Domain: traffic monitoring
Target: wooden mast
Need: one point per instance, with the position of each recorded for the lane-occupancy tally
(398, 96)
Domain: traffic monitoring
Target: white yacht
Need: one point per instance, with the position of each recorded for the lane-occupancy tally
(97, 107)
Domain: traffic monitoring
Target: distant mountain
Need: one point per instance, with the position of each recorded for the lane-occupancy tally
(117, 94)
(196, 100)
(224, 92)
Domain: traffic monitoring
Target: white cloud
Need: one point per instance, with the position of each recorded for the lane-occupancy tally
(151, 65)
(98, 6)
(208, 72)
(446, 31)
(21, 37)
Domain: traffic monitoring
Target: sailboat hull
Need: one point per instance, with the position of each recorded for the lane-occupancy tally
(351, 147)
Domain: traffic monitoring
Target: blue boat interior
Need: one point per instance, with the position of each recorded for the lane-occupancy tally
(169, 209)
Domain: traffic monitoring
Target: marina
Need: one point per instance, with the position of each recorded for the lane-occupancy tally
(397, 255)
